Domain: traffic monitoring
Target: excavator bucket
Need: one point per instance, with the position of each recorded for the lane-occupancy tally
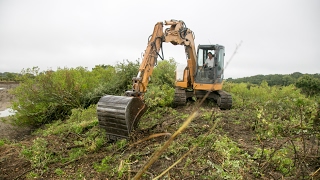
(118, 115)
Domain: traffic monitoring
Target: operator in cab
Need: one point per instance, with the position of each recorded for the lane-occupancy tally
(209, 63)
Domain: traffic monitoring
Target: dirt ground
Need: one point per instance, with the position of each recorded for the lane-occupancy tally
(7, 130)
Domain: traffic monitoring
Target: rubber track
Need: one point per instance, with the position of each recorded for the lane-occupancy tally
(225, 100)
(180, 98)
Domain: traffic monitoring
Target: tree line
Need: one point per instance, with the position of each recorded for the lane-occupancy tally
(308, 83)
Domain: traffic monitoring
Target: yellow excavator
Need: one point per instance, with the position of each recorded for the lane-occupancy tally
(119, 115)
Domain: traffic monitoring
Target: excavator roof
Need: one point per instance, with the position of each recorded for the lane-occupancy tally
(210, 46)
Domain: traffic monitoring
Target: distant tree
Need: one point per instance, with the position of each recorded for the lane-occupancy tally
(229, 79)
(287, 80)
(104, 66)
(296, 75)
(273, 79)
(309, 85)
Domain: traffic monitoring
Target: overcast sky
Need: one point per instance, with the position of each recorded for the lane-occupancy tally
(279, 36)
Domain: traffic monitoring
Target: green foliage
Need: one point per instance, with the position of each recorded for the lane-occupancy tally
(159, 96)
(164, 73)
(278, 110)
(274, 114)
(38, 154)
(232, 157)
(272, 79)
(281, 159)
(161, 88)
(270, 113)
(9, 76)
(251, 96)
(80, 135)
(121, 143)
(104, 166)
(2, 142)
(226, 147)
(33, 175)
(309, 85)
(51, 95)
(81, 121)
(59, 172)
(117, 83)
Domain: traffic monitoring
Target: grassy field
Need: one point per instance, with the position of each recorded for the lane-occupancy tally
(216, 145)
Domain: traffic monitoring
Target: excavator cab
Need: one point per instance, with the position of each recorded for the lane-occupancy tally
(209, 74)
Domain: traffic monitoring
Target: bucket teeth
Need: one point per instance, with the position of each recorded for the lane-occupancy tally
(119, 115)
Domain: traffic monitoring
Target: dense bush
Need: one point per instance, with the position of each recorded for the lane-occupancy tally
(160, 90)
(251, 96)
(159, 96)
(164, 73)
(51, 95)
(283, 116)
(309, 85)
(118, 82)
(279, 110)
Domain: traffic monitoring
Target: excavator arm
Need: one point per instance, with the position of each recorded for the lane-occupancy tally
(119, 115)
(176, 34)
(140, 82)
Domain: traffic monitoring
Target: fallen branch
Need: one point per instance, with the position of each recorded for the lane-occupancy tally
(150, 137)
(75, 146)
(315, 172)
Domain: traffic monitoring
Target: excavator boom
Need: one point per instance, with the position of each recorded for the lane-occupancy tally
(119, 115)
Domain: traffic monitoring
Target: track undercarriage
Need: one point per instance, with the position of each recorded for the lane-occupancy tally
(222, 98)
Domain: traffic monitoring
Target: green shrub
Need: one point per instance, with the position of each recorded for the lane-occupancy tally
(119, 81)
(160, 90)
(50, 95)
(309, 85)
(164, 73)
(38, 154)
(281, 159)
(159, 96)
